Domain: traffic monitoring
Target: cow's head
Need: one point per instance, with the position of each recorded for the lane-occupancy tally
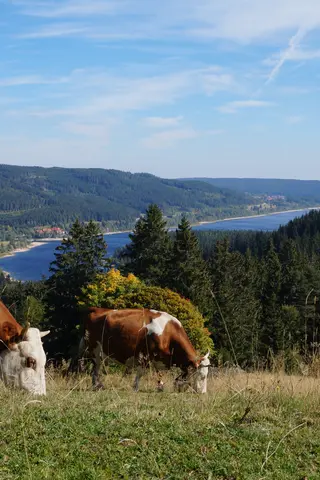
(201, 375)
(22, 364)
(195, 375)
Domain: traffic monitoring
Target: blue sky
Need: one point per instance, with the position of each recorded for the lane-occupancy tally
(176, 88)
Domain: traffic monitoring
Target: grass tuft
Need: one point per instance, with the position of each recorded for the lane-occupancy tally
(249, 426)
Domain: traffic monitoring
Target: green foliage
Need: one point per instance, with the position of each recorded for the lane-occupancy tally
(188, 273)
(148, 252)
(112, 290)
(79, 258)
(31, 196)
(270, 319)
(298, 190)
(26, 301)
(236, 307)
(34, 312)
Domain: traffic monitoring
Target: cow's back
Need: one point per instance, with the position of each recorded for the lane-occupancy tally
(122, 333)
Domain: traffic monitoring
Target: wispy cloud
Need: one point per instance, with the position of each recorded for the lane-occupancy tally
(233, 107)
(168, 138)
(297, 55)
(72, 8)
(92, 94)
(55, 30)
(242, 22)
(294, 119)
(162, 122)
(29, 80)
(98, 131)
(294, 43)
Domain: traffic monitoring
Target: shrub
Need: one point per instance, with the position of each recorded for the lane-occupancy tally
(113, 290)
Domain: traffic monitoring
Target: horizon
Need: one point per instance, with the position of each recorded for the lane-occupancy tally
(175, 89)
(167, 178)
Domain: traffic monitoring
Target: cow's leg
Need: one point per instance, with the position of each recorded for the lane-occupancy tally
(137, 379)
(160, 386)
(96, 359)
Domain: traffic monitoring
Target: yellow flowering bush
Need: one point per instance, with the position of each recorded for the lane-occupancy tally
(113, 290)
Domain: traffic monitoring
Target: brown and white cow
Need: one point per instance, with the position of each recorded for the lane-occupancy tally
(9, 328)
(144, 336)
(22, 358)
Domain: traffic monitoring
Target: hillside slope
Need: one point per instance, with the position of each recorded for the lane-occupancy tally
(31, 196)
(293, 190)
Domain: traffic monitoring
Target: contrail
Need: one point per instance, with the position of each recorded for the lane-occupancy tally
(294, 42)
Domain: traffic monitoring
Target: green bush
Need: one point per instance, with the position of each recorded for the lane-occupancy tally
(113, 290)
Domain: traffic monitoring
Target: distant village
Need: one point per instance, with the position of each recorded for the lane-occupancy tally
(270, 202)
(48, 232)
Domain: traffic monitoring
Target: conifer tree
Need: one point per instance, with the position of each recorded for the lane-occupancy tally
(271, 308)
(79, 258)
(235, 319)
(149, 252)
(188, 271)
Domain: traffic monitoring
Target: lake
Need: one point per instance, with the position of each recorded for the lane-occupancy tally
(34, 263)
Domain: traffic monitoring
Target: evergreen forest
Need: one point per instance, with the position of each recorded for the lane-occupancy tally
(250, 297)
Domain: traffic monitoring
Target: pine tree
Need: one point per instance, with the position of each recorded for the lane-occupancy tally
(293, 290)
(79, 258)
(235, 318)
(188, 271)
(271, 305)
(149, 252)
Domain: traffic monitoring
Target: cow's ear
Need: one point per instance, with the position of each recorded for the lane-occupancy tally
(24, 331)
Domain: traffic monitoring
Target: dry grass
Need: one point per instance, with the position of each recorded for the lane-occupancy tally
(249, 426)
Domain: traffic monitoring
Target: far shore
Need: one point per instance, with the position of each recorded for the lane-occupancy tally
(267, 214)
(44, 241)
(33, 244)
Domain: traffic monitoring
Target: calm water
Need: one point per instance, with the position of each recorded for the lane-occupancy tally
(34, 263)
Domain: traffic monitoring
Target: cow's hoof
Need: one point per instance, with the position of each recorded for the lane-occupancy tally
(98, 386)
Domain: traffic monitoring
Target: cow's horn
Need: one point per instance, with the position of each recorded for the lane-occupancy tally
(43, 334)
(24, 330)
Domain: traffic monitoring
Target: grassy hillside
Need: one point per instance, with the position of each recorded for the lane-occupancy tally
(293, 190)
(248, 427)
(39, 196)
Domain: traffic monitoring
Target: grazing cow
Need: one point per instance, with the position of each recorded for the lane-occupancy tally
(145, 336)
(22, 358)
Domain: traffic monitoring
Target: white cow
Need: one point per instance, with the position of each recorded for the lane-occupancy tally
(22, 365)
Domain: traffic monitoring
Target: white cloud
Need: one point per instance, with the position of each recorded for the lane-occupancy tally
(55, 30)
(240, 21)
(294, 43)
(98, 131)
(168, 138)
(233, 107)
(214, 132)
(162, 122)
(294, 119)
(92, 94)
(253, 19)
(29, 80)
(72, 8)
(296, 55)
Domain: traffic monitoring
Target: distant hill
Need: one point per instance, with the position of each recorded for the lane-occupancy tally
(293, 190)
(31, 196)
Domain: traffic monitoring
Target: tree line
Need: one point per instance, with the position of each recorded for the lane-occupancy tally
(256, 292)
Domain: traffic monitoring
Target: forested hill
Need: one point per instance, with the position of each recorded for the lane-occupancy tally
(31, 196)
(297, 190)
